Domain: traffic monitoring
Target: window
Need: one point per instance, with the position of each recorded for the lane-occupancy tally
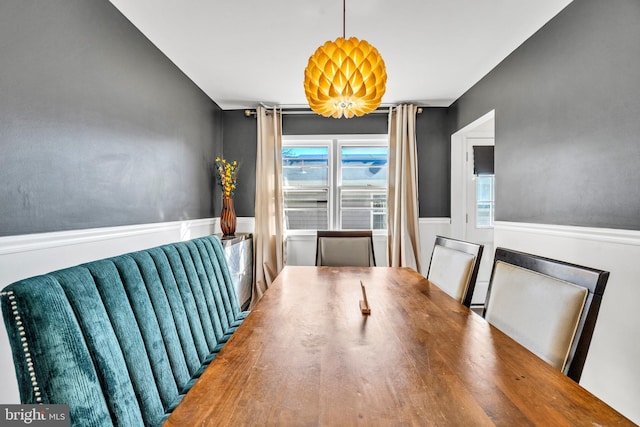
(306, 185)
(485, 200)
(335, 183)
(484, 176)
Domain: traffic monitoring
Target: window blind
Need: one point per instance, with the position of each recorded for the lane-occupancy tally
(483, 160)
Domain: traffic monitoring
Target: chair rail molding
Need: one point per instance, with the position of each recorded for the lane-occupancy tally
(30, 242)
(609, 235)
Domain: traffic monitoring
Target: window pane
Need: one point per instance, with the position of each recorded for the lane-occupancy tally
(305, 156)
(305, 166)
(364, 165)
(368, 199)
(363, 220)
(305, 199)
(356, 220)
(306, 210)
(306, 220)
(305, 176)
(363, 209)
(484, 187)
(485, 208)
(360, 176)
(379, 221)
(484, 215)
(364, 155)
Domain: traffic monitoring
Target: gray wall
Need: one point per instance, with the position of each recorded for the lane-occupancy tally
(431, 134)
(240, 133)
(434, 163)
(97, 127)
(313, 124)
(567, 114)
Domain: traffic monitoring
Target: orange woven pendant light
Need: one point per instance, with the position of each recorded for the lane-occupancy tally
(345, 77)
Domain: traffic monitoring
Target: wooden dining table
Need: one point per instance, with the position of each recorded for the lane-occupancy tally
(307, 356)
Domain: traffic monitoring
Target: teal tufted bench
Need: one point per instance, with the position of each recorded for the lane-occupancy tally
(121, 340)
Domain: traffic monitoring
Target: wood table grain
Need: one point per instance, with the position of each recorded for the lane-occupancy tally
(306, 356)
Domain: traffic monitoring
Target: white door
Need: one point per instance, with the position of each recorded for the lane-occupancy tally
(479, 209)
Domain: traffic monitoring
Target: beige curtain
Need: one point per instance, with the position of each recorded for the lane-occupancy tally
(403, 243)
(268, 231)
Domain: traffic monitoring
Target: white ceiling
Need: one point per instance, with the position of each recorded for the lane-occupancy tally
(243, 52)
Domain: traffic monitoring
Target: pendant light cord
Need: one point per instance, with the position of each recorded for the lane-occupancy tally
(344, 19)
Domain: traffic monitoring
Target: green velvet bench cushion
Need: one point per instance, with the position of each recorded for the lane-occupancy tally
(121, 340)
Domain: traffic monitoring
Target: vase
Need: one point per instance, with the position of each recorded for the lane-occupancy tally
(228, 217)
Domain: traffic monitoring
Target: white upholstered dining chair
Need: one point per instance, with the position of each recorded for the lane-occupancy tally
(548, 306)
(454, 267)
(345, 248)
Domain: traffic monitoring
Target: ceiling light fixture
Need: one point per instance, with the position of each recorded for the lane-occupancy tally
(345, 77)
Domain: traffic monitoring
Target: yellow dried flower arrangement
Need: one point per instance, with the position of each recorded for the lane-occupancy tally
(227, 173)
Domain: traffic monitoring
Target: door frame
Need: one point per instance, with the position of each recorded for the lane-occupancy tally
(458, 162)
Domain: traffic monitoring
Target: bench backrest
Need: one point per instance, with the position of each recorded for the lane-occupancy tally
(121, 339)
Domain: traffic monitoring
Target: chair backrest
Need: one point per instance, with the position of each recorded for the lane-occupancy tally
(345, 249)
(454, 267)
(548, 306)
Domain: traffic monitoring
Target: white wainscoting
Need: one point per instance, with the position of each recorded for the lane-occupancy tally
(612, 371)
(301, 248)
(429, 229)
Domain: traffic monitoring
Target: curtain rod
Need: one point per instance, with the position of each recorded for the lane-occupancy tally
(250, 112)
